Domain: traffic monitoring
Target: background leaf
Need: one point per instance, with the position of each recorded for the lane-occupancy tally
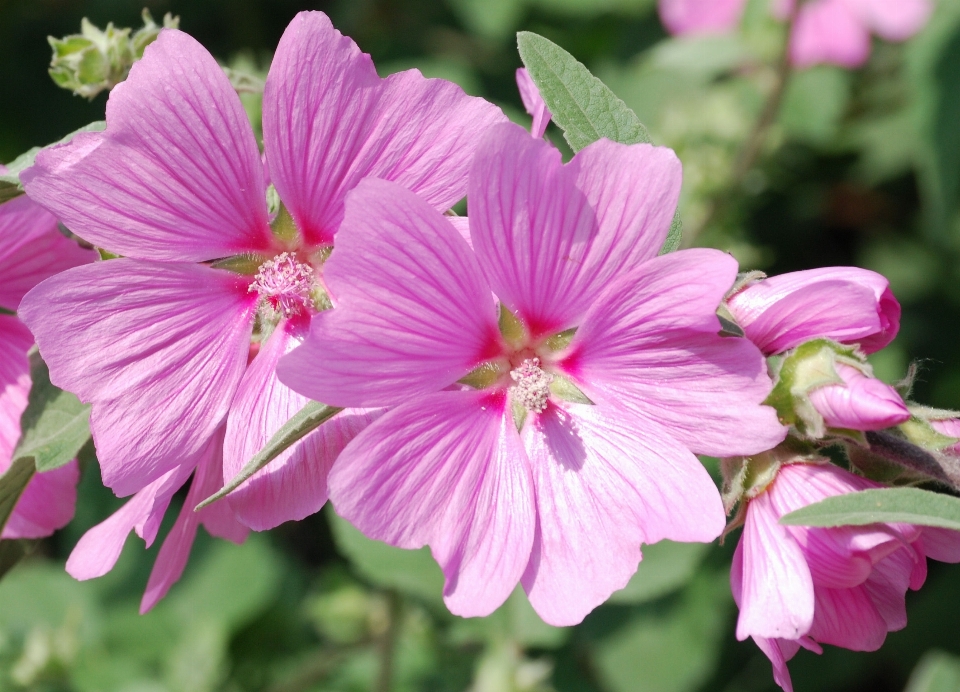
(936, 672)
(666, 567)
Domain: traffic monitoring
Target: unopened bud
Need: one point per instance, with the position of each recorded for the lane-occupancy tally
(98, 59)
(860, 402)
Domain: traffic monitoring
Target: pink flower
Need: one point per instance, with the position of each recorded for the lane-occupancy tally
(567, 452)
(846, 304)
(838, 31)
(951, 428)
(533, 103)
(860, 403)
(158, 341)
(801, 586)
(682, 17)
(31, 249)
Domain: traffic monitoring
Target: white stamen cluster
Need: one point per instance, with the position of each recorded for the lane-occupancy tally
(284, 284)
(532, 388)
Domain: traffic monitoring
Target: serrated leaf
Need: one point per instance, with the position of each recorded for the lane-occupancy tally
(308, 419)
(10, 186)
(55, 424)
(885, 505)
(583, 107)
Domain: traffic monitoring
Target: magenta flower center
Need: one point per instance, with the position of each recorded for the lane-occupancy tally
(285, 285)
(531, 387)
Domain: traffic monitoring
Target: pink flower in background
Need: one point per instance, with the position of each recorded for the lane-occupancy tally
(838, 31)
(860, 403)
(846, 304)
(519, 477)
(682, 17)
(801, 586)
(31, 249)
(951, 428)
(533, 103)
(158, 341)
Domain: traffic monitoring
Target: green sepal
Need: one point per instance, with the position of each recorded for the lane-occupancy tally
(10, 185)
(308, 419)
(284, 227)
(920, 432)
(560, 341)
(519, 413)
(246, 264)
(800, 371)
(563, 388)
(485, 375)
(511, 328)
(728, 323)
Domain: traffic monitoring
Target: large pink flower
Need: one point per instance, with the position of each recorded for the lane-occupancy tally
(158, 341)
(31, 250)
(800, 586)
(846, 304)
(565, 455)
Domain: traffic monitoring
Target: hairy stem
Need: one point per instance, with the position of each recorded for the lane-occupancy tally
(388, 643)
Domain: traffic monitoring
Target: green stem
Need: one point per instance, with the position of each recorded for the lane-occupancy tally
(388, 643)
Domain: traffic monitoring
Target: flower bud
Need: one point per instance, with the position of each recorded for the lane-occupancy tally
(859, 403)
(94, 60)
(845, 304)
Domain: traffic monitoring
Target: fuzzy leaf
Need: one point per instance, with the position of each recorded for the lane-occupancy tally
(10, 186)
(308, 419)
(886, 505)
(12, 484)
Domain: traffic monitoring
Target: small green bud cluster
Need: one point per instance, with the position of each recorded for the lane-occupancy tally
(94, 60)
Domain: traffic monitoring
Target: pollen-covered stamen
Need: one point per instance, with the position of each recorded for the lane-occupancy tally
(532, 388)
(284, 284)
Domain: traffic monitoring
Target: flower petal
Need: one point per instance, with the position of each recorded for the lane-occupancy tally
(894, 20)
(531, 228)
(848, 618)
(861, 403)
(99, 548)
(846, 304)
(32, 248)
(446, 470)
(828, 31)
(175, 550)
(777, 598)
(941, 544)
(157, 348)
(177, 173)
(605, 483)
(294, 485)
(329, 121)
(47, 504)
(650, 343)
(887, 586)
(533, 103)
(682, 17)
(15, 341)
(413, 314)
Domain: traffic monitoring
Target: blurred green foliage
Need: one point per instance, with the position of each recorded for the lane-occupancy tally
(858, 167)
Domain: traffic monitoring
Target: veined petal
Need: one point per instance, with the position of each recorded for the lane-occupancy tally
(32, 248)
(533, 103)
(157, 348)
(294, 485)
(847, 618)
(47, 504)
(682, 17)
(531, 228)
(448, 470)
(329, 122)
(941, 544)
(779, 651)
(15, 341)
(650, 343)
(633, 190)
(99, 548)
(888, 584)
(413, 314)
(828, 31)
(605, 483)
(175, 176)
(777, 597)
(847, 304)
(861, 403)
(175, 550)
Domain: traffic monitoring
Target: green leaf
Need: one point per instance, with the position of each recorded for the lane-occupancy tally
(10, 186)
(886, 505)
(309, 418)
(413, 572)
(666, 567)
(936, 672)
(583, 107)
(55, 424)
(12, 484)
